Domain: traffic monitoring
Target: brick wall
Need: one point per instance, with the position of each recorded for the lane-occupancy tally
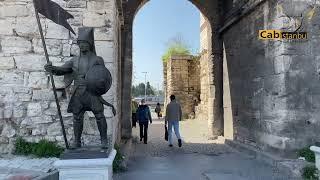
(182, 80)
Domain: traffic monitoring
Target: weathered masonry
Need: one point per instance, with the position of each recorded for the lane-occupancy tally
(263, 93)
(182, 78)
(27, 106)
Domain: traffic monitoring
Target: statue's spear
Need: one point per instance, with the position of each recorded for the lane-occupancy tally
(58, 15)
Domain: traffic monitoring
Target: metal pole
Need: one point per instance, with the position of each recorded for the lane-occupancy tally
(51, 78)
(145, 86)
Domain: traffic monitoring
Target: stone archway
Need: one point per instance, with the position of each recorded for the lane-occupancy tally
(212, 10)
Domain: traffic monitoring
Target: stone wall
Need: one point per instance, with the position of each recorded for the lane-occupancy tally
(27, 106)
(182, 80)
(205, 41)
(274, 83)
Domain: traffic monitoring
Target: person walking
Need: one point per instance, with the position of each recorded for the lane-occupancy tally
(173, 116)
(143, 117)
(134, 106)
(158, 110)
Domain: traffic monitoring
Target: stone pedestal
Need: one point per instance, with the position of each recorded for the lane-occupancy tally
(316, 151)
(86, 165)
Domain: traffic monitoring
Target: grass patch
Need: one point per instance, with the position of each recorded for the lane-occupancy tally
(43, 148)
(307, 154)
(117, 163)
(310, 173)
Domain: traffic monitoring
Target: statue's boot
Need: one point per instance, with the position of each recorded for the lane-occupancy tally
(77, 129)
(102, 126)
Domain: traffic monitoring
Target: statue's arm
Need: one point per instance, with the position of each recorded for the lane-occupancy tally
(60, 70)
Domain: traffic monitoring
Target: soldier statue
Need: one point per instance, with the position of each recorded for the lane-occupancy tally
(91, 80)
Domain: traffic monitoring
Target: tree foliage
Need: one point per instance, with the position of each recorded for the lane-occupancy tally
(139, 90)
(176, 46)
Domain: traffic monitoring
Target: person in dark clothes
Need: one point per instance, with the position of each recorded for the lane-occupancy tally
(134, 106)
(143, 117)
(158, 110)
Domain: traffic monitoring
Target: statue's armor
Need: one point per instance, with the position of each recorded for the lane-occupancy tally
(81, 100)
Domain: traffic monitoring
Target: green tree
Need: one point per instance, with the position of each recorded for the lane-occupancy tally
(176, 46)
(139, 90)
(150, 89)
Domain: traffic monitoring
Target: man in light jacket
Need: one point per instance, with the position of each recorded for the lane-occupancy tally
(173, 116)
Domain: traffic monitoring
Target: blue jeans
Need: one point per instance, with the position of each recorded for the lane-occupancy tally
(175, 125)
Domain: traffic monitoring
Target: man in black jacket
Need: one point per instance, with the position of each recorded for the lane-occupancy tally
(143, 117)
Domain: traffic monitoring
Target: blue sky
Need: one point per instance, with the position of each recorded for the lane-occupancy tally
(155, 23)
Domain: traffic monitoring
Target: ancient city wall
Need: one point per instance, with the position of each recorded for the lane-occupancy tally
(27, 106)
(274, 84)
(205, 41)
(182, 79)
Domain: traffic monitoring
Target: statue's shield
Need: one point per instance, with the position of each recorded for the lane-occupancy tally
(98, 79)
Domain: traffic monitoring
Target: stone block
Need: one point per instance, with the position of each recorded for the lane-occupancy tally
(77, 4)
(19, 110)
(77, 20)
(8, 111)
(103, 34)
(38, 80)
(41, 120)
(54, 46)
(100, 169)
(8, 131)
(75, 50)
(6, 63)
(54, 129)
(27, 26)
(7, 26)
(30, 62)
(55, 31)
(24, 97)
(14, 11)
(15, 45)
(34, 109)
(59, 82)
(39, 131)
(100, 7)
(66, 50)
(11, 78)
(105, 49)
(44, 94)
(91, 19)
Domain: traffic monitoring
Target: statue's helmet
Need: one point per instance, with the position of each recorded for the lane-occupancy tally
(86, 34)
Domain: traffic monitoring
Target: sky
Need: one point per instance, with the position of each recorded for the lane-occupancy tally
(155, 24)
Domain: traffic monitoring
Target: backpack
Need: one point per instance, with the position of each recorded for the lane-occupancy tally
(143, 114)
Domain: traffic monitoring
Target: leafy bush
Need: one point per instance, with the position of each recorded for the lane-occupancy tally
(307, 154)
(310, 173)
(117, 163)
(175, 49)
(43, 148)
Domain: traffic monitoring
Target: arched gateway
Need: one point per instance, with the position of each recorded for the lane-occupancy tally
(213, 14)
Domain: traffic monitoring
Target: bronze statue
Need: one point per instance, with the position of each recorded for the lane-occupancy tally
(91, 80)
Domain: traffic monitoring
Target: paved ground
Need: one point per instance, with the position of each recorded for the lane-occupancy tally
(198, 159)
(24, 168)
